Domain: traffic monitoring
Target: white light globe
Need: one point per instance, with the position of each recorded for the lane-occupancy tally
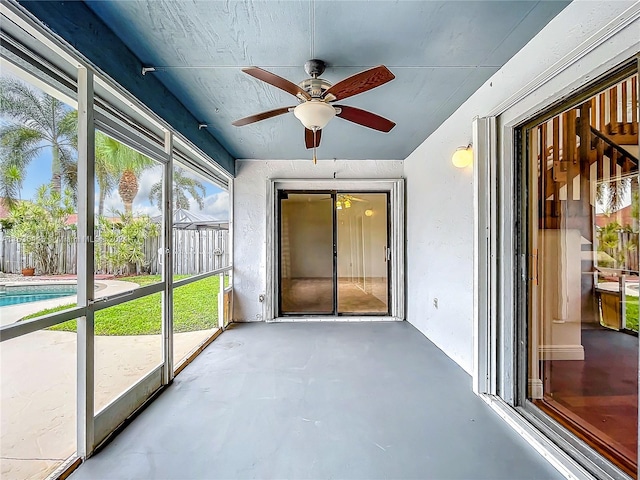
(462, 157)
(314, 114)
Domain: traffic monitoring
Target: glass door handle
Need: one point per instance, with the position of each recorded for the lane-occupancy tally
(534, 266)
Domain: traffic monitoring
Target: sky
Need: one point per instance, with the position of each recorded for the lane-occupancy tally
(39, 172)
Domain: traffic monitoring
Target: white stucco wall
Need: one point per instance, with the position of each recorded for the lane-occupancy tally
(440, 197)
(249, 216)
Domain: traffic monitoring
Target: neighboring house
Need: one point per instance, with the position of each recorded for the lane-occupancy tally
(623, 217)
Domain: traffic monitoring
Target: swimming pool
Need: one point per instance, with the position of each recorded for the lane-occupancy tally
(17, 294)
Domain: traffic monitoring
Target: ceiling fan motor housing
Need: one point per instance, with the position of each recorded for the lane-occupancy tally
(316, 87)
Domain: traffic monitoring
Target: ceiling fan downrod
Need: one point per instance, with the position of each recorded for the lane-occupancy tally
(315, 146)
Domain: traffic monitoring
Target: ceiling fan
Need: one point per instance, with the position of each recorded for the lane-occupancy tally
(344, 200)
(316, 95)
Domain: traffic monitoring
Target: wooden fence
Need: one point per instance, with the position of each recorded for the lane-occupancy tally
(195, 251)
(628, 243)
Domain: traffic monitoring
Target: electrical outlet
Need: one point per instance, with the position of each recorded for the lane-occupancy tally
(435, 302)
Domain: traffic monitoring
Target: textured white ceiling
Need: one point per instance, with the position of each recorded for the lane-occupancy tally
(440, 52)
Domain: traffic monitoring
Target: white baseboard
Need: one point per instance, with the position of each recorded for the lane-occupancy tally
(561, 352)
(535, 388)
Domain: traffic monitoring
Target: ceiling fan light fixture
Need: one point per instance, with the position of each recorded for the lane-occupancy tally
(314, 114)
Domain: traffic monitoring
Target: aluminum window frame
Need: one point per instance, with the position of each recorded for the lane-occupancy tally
(592, 461)
(123, 117)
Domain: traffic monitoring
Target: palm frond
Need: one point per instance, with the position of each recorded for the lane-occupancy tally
(155, 194)
(11, 178)
(180, 200)
(197, 192)
(39, 121)
(195, 188)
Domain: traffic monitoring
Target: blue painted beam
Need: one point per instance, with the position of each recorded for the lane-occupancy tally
(83, 30)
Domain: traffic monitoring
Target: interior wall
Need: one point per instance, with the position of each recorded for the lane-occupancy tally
(249, 216)
(440, 210)
(373, 238)
(310, 237)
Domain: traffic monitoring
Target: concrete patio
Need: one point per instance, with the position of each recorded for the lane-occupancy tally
(319, 400)
(38, 383)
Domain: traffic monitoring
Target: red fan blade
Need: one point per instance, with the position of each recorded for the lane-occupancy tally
(309, 138)
(360, 82)
(276, 81)
(260, 116)
(364, 118)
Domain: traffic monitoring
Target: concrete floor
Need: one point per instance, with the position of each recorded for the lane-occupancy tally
(311, 400)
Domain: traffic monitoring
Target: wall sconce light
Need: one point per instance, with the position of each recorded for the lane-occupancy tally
(462, 157)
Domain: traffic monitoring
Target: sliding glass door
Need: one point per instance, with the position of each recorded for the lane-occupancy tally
(583, 288)
(333, 253)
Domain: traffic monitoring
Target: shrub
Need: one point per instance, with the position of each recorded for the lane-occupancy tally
(40, 224)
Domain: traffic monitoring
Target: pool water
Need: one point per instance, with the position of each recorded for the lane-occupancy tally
(15, 299)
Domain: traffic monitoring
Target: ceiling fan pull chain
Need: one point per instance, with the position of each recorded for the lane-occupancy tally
(315, 159)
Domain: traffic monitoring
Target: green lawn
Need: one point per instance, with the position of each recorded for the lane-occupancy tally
(195, 307)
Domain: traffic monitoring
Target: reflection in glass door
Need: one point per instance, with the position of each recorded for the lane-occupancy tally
(333, 250)
(362, 232)
(583, 290)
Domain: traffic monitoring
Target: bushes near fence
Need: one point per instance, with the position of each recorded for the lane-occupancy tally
(195, 251)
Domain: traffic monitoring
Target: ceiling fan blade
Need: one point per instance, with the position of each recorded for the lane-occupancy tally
(309, 138)
(364, 118)
(276, 81)
(260, 116)
(360, 82)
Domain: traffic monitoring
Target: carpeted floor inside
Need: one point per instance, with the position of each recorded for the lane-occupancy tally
(315, 295)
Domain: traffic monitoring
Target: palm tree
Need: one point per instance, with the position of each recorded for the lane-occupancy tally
(11, 181)
(121, 163)
(181, 186)
(106, 171)
(611, 194)
(38, 121)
